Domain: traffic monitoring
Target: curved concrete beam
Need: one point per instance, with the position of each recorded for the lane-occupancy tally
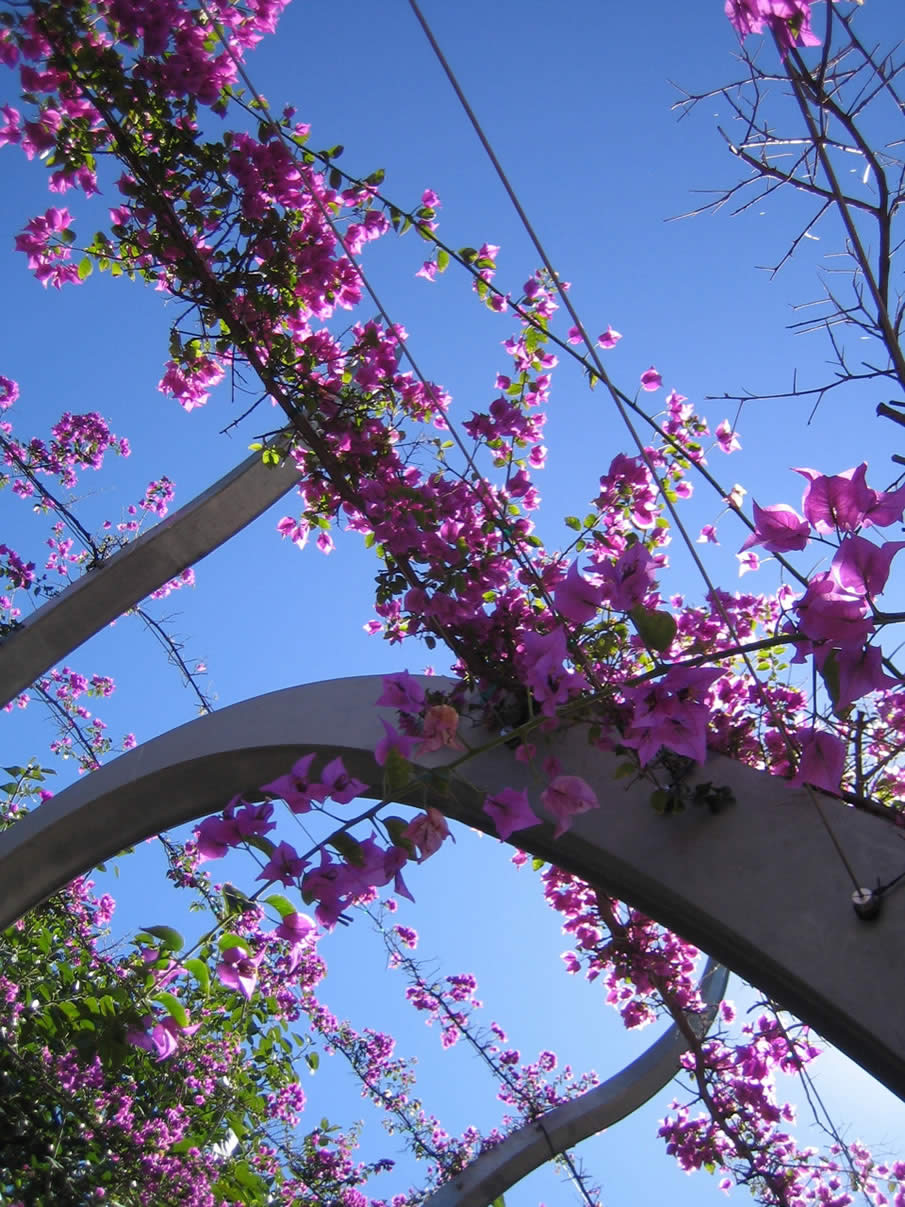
(102, 594)
(760, 886)
(495, 1171)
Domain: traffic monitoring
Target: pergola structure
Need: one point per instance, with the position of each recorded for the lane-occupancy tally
(761, 885)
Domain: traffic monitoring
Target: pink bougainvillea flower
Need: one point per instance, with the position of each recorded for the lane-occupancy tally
(862, 567)
(841, 501)
(780, 529)
(296, 530)
(575, 598)
(330, 885)
(541, 657)
(826, 613)
(296, 928)
(609, 338)
(376, 867)
(861, 672)
(238, 970)
(708, 535)
(9, 392)
(159, 1036)
(284, 865)
(886, 509)
(394, 740)
(628, 578)
(402, 691)
(822, 759)
(441, 723)
(574, 336)
(671, 712)
(747, 561)
(788, 20)
(428, 831)
(337, 784)
(566, 796)
(510, 810)
(727, 437)
(294, 787)
(215, 835)
(651, 379)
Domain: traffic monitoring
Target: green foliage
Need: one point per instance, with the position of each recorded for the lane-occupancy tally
(656, 629)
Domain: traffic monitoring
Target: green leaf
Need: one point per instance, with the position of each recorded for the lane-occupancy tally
(573, 522)
(282, 904)
(260, 843)
(170, 938)
(200, 972)
(235, 900)
(397, 771)
(656, 629)
(86, 268)
(537, 864)
(313, 1061)
(69, 1009)
(347, 846)
(173, 1007)
(442, 260)
(396, 827)
(659, 800)
(232, 940)
(829, 673)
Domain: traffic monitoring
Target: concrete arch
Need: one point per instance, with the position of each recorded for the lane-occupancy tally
(760, 886)
(99, 596)
(494, 1172)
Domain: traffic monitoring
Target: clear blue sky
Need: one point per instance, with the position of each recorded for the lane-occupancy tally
(577, 102)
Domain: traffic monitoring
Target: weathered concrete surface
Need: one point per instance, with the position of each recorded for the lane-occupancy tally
(100, 595)
(760, 886)
(494, 1172)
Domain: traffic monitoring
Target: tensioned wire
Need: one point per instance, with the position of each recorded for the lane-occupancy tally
(615, 394)
(778, 720)
(262, 107)
(566, 348)
(790, 743)
(489, 500)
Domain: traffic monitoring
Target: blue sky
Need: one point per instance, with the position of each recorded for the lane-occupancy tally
(576, 100)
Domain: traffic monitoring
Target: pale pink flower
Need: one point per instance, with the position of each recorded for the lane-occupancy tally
(566, 796)
(441, 722)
